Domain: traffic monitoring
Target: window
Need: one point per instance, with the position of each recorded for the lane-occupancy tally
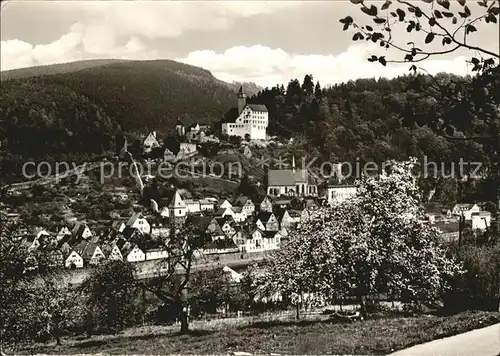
(180, 212)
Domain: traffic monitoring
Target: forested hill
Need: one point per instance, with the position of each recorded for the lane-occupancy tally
(140, 96)
(366, 119)
(74, 110)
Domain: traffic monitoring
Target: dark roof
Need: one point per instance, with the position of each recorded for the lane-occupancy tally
(287, 177)
(283, 202)
(240, 201)
(258, 107)
(279, 212)
(231, 115)
(241, 89)
(268, 234)
(201, 222)
(264, 216)
(179, 122)
(222, 220)
(220, 243)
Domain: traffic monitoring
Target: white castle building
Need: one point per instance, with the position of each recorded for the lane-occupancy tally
(247, 120)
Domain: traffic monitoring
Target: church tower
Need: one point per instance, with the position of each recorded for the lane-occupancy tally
(242, 100)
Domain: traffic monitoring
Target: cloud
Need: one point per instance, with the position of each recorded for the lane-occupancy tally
(269, 66)
(104, 24)
(82, 42)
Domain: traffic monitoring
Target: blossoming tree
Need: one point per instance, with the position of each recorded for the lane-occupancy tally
(377, 242)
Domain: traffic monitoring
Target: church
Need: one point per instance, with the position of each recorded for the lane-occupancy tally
(248, 121)
(291, 182)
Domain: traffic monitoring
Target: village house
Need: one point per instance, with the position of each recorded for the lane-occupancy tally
(81, 231)
(219, 247)
(73, 260)
(266, 205)
(63, 231)
(465, 210)
(481, 220)
(137, 221)
(150, 142)
(168, 156)
(290, 182)
(156, 254)
(112, 252)
(192, 206)
(239, 214)
(284, 219)
(132, 253)
(247, 120)
(246, 204)
(159, 230)
(118, 225)
(187, 148)
(266, 221)
(207, 204)
(90, 252)
(225, 212)
(337, 194)
(227, 225)
(180, 128)
(208, 225)
(260, 241)
(224, 204)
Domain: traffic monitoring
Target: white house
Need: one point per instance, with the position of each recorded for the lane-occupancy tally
(225, 204)
(193, 206)
(247, 120)
(481, 220)
(187, 148)
(465, 210)
(74, 260)
(81, 230)
(337, 194)
(150, 142)
(115, 253)
(246, 204)
(156, 254)
(240, 215)
(62, 232)
(138, 222)
(207, 205)
(134, 254)
(158, 230)
(177, 206)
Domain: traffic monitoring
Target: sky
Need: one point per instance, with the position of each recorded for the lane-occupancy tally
(265, 42)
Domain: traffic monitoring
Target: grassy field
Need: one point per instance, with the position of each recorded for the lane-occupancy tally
(376, 336)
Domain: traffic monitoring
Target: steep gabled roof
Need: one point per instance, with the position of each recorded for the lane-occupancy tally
(258, 107)
(231, 115)
(133, 218)
(177, 201)
(264, 216)
(286, 177)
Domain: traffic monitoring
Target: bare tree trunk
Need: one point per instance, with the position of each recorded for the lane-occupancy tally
(297, 310)
(362, 304)
(184, 321)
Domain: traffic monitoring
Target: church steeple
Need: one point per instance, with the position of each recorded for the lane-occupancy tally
(242, 100)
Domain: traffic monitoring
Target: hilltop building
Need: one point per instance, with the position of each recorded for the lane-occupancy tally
(247, 120)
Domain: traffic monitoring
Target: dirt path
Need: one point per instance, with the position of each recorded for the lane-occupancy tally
(479, 342)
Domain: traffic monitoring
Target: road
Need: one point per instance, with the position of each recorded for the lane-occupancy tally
(479, 342)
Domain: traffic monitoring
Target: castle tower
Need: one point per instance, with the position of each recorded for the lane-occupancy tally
(242, 100)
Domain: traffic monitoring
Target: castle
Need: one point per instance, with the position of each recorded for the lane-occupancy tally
(248, 121)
